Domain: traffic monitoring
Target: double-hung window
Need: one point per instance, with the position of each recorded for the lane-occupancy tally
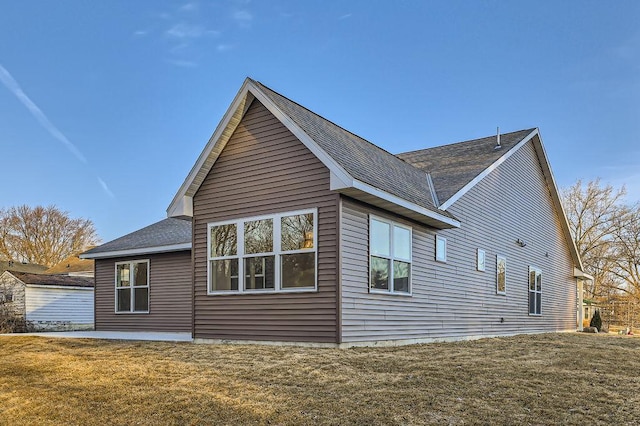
(535, 291)
(132, 287)
(263, 254)
(389, 257)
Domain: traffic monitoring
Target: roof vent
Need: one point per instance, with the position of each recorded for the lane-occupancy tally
(498, 146)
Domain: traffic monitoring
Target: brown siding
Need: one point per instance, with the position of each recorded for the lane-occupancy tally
(453, 299)
(170, 295)
(265, 169)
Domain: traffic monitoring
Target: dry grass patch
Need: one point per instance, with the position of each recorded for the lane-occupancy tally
(540, 379)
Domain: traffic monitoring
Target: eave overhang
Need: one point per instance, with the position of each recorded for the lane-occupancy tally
(137, 251)
(341, 180)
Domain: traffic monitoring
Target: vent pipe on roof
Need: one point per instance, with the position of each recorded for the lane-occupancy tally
(498, 146)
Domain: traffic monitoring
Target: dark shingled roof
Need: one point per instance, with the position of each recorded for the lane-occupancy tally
(363, 160)
(455, 165)
(59, 280)
(167, 232)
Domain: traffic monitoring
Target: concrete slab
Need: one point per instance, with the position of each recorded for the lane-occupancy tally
(113, 335)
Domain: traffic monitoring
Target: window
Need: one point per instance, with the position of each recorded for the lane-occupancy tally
(132, 286)
(274, 253)
(501, 275)
(480, 260)
(535, 291)
(441, 249)
(390, 257)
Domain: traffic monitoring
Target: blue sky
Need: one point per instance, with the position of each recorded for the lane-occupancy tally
(105, 106)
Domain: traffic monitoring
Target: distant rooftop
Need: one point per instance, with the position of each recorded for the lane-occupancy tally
(11, 265)
(53, 280)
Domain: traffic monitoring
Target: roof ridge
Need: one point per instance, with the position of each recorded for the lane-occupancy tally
(463, 142)
(332, 123)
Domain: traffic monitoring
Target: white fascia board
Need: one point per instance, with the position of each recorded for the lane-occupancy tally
(555, 197)
(432, 189)
(581, 275)
(238, 102)
(455, 197)
(340, 173)
(181, 207)
(364, 187)
(135, 252)
(64, 287)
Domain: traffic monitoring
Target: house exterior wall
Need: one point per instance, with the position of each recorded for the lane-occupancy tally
(170, 295)
(265, 169)
(11, 287)
(453, 299)
(58, 309)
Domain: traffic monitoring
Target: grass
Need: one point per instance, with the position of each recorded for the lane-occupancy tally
(539, 379)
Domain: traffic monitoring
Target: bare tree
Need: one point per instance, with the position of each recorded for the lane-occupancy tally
(627, 250)
(593, 212)
(43, 235)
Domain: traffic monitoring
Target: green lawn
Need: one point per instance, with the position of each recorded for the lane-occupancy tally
(581, 379)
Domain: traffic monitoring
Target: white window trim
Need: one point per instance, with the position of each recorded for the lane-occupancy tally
(391, 257)
(132, 288)
(529, 291)
(498, 258)
(240, 255)
(481, 254)
(441, 257)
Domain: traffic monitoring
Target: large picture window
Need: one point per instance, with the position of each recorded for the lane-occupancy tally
(535, 291)
(132, 287)
(263, 254)
(389, 257)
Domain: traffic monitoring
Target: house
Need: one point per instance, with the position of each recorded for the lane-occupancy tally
(48, 302)
(12, 265)
(73, 266)
(292, 229)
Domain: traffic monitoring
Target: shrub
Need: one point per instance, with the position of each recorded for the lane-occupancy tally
(596, 321)
(11, 323)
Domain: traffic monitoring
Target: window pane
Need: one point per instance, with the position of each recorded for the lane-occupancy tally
(259, 272)
(258, 236)
(379, 273)
(379, 238)
(401, 276)
(297, 232)
(298, 270)
(441, 249)
(532, 279)
(538, 303)
(532, 302)
(124, 300)
(501, 277)
(141, 303)
(401, 243)
(539, 281)
(140, 274)
(122, 275)
(224, 275)
(224, 240)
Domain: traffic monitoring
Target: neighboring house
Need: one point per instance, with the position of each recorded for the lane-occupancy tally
(49, 302)
(73, 266)
(11, 265)
(300, 231)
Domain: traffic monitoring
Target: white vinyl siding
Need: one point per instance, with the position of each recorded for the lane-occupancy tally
(59, 305)
(452, 299)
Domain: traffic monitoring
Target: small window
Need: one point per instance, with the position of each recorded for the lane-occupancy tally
(389, 257)
(480, 260)
(501, 275)
(132, 287)
(535, 291)
(441, 249)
